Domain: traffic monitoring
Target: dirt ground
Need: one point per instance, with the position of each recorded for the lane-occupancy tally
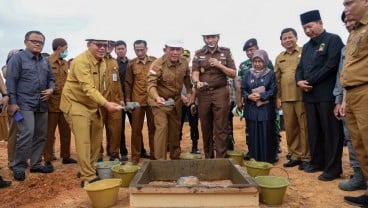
(61, 188)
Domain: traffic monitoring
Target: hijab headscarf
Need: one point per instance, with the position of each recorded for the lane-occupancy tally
(264, 57)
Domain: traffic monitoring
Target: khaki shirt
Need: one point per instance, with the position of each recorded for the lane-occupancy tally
(285, 67)
(112, 89)
(82, 90)
(212, 75)
(355, 70)
(60, 69)
(166, 79)
(135, 85)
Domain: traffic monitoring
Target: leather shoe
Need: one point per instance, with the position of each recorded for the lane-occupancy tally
(195, 151)
(68, 161)
(292, 163)
(42, 169)
(145, 155)
(311, 168)
(19, 175)
(360, 201)
(49, 166)
(303, 165)
(288, 156)
(3, 183)
(124, 158)
(327, 177)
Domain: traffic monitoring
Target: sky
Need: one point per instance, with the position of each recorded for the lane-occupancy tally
(158, 21)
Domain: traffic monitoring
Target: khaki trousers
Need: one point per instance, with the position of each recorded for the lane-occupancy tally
(296, 130)
(138, 116)
(357, 120)
(88, 137)
(4, 127)
(167, 122)
(113, 123)
(56, 119)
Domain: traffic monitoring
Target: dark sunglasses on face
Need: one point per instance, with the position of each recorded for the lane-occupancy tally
(100, 45)
(36, 42)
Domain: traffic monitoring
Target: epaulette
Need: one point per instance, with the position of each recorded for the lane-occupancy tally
(183, 59)
(152, 57)
(224, 48)
(200, 50)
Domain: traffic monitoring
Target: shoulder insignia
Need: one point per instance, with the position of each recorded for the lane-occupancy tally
(154, 70)
(224, 48)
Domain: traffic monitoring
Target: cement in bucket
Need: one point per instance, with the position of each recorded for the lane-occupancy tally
(273, 189)
(256, 168)
(104, 168)
(125, 173)
(103, 193)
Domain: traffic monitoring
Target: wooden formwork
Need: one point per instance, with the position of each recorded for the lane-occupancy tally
(243, 191)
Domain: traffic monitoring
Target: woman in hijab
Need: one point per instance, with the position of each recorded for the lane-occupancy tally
(259, 92)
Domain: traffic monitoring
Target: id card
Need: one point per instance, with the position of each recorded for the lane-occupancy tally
(114, 77)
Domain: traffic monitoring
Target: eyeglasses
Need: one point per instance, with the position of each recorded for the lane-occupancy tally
(100, 45)
(36, 42)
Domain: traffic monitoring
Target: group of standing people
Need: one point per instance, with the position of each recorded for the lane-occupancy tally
(95, 88)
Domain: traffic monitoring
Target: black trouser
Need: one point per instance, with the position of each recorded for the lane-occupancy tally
(193, 123)
(326, 136)
(123, 149)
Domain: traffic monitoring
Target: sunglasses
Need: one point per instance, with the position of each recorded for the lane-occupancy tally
(100, 45)
(36, 42)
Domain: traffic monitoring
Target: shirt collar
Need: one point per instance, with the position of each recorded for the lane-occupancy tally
(296, 49)
(169, 63)
(207, 50)
(32, 56)
(319, 38)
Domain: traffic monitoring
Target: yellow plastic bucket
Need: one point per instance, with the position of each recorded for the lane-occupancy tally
(236, 155)
(103, 193)
(125, 173)
(256, 168)
(273, 189)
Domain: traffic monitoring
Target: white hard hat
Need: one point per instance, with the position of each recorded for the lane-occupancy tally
(175, 43)
(97, 39)
(210, 33)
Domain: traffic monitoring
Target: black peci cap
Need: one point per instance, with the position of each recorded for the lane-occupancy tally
(310, 16)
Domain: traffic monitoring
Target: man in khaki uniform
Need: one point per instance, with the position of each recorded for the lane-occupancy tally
(81, 100)
(4, 98)
(212, 64)
(59, 67)
(136, 91)
(165, 80)
(289, 97)
(354, 78)
(113, 92)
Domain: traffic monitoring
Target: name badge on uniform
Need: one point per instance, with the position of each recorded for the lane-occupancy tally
(202, 70)
(114, 77)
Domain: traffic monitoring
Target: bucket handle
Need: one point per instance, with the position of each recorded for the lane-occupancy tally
(259, 170)
(284, 170)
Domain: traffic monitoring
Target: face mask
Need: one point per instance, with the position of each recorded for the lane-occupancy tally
(64, 54)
